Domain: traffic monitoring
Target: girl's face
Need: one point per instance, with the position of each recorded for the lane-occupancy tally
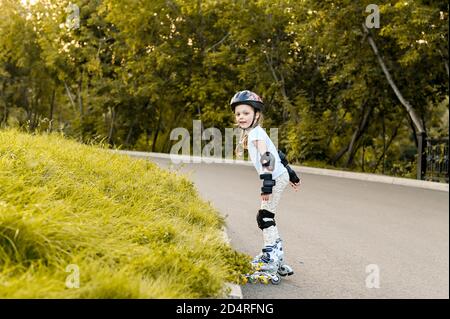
(244, 115)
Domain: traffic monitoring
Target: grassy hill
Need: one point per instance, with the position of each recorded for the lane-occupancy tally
(120, 227)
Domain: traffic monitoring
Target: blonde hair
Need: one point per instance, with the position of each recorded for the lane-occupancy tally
(243, 139)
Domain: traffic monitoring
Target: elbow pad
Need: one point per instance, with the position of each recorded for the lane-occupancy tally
(268, 161)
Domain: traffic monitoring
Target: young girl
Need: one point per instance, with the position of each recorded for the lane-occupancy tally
(273, 170)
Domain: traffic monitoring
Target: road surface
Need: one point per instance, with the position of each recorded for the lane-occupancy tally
(343, 237)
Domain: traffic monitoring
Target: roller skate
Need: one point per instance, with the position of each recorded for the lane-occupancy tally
(265, 267)
(283, 269)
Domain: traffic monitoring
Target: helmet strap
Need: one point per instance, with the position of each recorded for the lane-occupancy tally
(251, 125)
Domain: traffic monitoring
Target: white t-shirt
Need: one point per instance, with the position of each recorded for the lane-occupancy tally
(257, 133)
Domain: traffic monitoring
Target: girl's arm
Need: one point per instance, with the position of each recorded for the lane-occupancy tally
(262, 148)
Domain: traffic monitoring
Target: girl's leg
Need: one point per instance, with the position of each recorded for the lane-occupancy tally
(272, 257)
(270, 234)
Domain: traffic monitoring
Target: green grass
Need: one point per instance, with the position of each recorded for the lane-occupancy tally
(132, 229)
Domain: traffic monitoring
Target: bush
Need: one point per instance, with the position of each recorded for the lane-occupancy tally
(132, 229)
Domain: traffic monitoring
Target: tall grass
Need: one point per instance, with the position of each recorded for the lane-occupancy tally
(132, 229)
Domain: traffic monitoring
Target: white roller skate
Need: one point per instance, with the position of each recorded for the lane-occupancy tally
(265, 267)
(283, 269)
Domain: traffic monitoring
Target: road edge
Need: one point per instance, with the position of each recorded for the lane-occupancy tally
(176, 159)
(235, 291)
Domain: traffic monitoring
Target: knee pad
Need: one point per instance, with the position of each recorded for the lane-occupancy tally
(265, 219)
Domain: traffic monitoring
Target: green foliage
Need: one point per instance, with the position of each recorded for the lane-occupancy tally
(134, 231)
(133, 71)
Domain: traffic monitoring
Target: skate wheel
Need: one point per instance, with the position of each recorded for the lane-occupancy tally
(275, 280)
(264, 280)
(284, 271)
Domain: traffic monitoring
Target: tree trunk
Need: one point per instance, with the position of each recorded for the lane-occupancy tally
(35, 120)
(80, 98)
(178, 118)
(357, 135)
(385, 148)
(111, 127)
(218, 43)
(147, 134)
(412, 113)
(26, 104)
(80, 106)
(362, 157)
(5, 115)
(446, 67)
(52, 105)
(282, 89)
(4, 120)
(336, 126)
(413, 129)
(127, 140)
(70, 96)
(155, 136)
(339, 154)
(445, 62)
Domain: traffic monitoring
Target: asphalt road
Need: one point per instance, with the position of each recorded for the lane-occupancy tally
(341, 236)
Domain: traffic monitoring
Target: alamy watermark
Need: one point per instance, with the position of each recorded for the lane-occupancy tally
(73, 19)
(73, 280)
(373, 19)
(373, 277)
(213, 151)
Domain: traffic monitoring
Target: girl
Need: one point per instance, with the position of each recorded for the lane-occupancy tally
(275, 173)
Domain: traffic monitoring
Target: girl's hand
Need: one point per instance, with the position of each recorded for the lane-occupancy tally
(295, 186)
(265, 197)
